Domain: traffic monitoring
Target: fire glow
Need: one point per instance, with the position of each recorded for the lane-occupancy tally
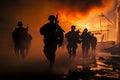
(83, 14)
(91, 21)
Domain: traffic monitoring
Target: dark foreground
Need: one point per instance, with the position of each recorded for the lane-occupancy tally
(74, 75)
(101, 68)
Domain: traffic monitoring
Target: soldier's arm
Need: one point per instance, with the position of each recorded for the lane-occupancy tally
(42, 30)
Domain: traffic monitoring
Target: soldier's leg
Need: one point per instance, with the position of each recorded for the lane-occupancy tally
(27, 49)
(87, 49)
(16, 49)
(69, 50)
(83, 50)
(94, 49)
(52, 56)
(22, 50)
(74, 50)
(49, 51)
(52, 60)
(22, 53)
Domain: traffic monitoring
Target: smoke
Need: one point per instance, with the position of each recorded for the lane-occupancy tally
(83, 6)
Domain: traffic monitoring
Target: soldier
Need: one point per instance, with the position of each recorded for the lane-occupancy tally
(93, 43)
(86, 38)
(73, 39)
(19, 37)
(53, 36)
(28, 41)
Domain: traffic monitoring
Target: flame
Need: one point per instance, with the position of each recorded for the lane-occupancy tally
(84, 18)
(90, 21)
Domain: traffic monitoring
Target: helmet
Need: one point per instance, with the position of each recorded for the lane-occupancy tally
(92, 34)
(85, 29)
(51, 17)
(72, 27)
(19, 23)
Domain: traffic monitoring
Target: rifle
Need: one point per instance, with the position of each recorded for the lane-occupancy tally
(56, 22)
(59, 31)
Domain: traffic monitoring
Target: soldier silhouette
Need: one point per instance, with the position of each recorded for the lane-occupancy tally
(93, 43)
(73, 39)
(19, 38)
(89, 41)
(53, 36)
(86, 38)
(28, 40)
